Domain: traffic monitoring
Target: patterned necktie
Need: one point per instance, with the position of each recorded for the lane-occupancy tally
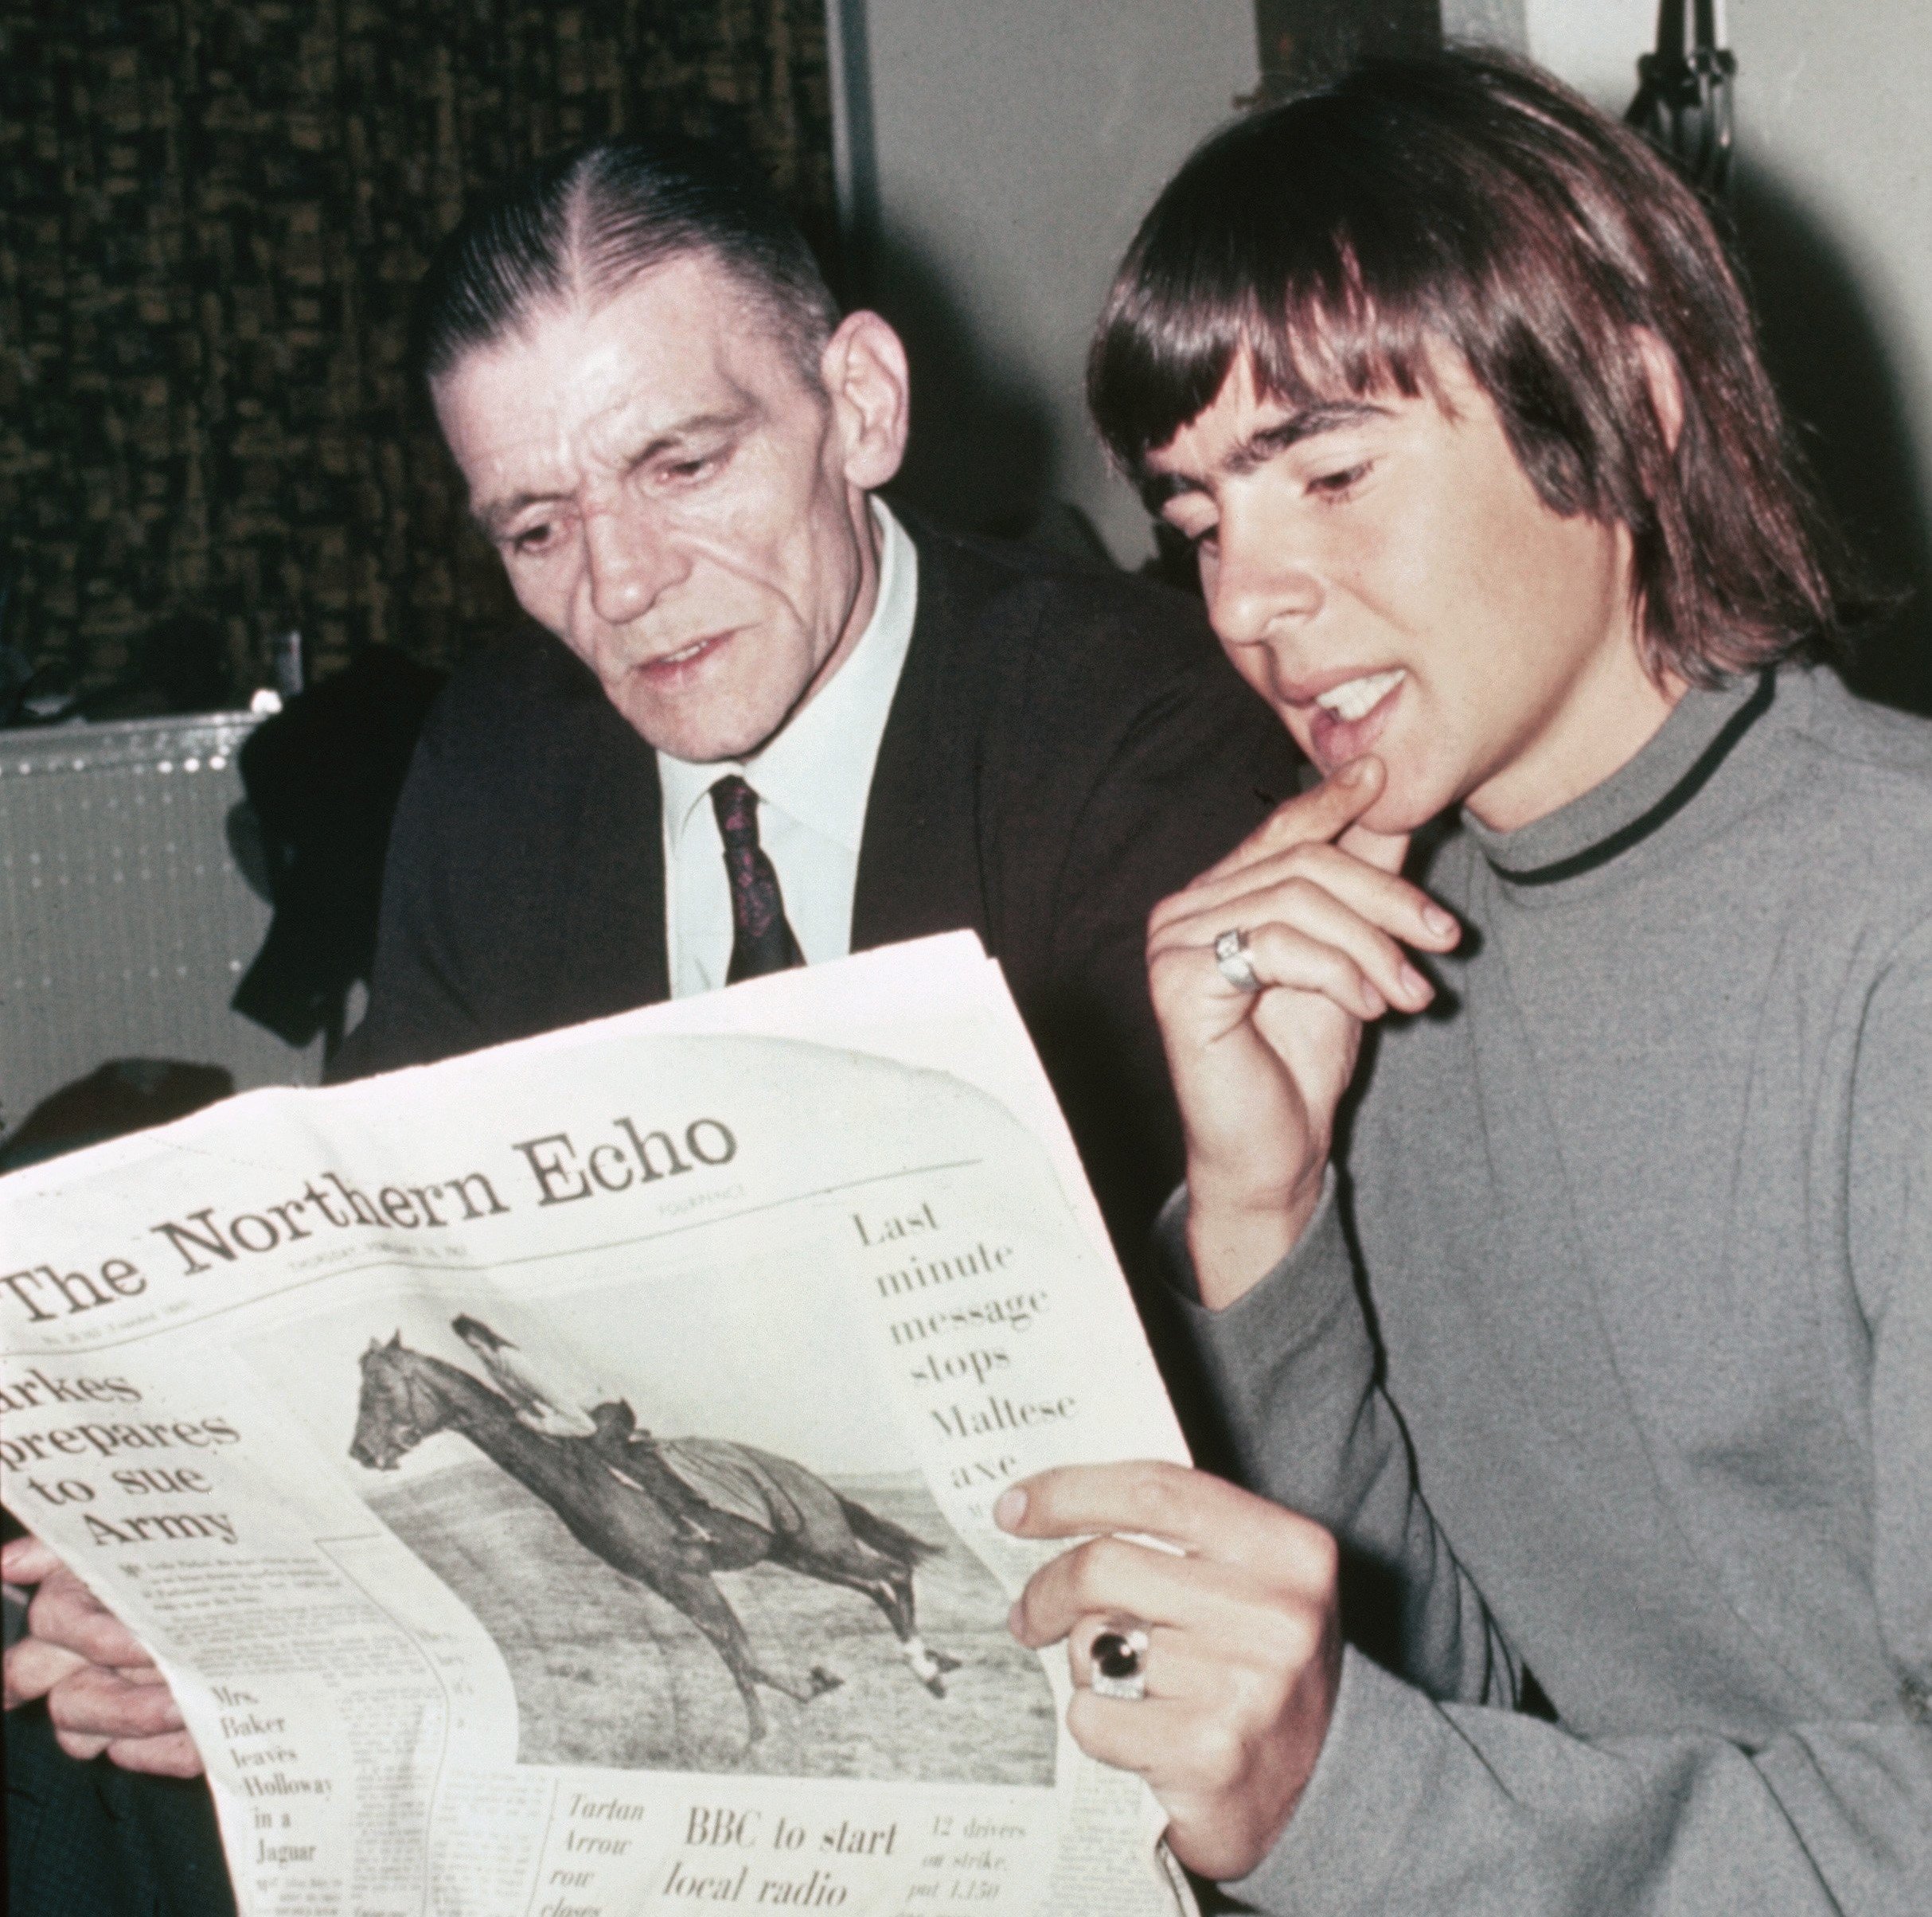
(761, 940)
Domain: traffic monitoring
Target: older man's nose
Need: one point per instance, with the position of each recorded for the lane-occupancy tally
(630, 563)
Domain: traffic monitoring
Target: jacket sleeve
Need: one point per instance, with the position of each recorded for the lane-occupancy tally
(1429, 1796)
(1421, 1805)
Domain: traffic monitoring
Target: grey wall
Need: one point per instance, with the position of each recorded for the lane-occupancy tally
(1016, 144)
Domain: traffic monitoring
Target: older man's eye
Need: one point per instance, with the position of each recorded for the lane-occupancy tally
(529, 540)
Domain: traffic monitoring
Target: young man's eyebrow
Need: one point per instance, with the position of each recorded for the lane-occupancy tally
(494, 514)
(1307, 423)
(1262, 445)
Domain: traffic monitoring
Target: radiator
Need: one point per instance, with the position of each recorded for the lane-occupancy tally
(126, 920)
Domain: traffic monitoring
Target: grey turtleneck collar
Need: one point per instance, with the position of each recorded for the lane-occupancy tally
(1637, 799)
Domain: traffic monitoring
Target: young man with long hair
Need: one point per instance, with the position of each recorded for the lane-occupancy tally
(1556, 1073)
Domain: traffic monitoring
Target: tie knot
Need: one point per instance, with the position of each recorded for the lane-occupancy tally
(736, 806)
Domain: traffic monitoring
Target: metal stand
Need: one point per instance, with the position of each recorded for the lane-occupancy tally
(1683, 105)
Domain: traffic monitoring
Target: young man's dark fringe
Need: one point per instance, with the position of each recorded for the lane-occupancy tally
(1470, 203)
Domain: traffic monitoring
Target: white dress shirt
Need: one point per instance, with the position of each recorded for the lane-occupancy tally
(812, 781)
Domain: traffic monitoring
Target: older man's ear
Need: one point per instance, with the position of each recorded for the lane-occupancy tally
(865, 371)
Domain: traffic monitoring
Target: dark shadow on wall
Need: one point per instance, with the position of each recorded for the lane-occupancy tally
(1833, 372)
(981, 449)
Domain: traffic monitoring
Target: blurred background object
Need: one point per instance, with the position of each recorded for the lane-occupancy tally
(194, 897)
(126, 921)
(1300, 44)
(1684, 95)
(322, 777)
(123, 1095)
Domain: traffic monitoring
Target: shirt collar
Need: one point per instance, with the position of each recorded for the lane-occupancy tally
(819, 768)
(1638, 800)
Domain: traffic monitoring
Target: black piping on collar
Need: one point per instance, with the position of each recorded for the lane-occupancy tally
(1666, 808)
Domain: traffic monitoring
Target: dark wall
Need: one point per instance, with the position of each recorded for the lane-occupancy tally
(1846, 399)
(212, 214)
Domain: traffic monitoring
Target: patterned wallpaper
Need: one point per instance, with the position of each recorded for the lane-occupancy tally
(212, 215)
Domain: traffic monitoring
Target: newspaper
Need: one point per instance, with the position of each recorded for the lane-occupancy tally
(557, 1482)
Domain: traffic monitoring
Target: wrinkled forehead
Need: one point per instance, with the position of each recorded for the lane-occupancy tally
(583, 383)
(568, 382)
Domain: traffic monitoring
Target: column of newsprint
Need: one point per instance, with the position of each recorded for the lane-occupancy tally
(557, 1482)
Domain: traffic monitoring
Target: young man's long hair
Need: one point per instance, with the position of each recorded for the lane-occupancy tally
(1470, 201)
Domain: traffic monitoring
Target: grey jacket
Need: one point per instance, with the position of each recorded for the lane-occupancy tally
(1609, 1355)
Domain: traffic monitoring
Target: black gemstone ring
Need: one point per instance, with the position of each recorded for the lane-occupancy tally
(1119, 1661)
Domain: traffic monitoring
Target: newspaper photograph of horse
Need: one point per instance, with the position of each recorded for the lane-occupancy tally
(670, 1514)
(685, 1517)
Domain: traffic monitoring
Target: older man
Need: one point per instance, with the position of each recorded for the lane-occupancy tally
(770, 723)
(779, 724)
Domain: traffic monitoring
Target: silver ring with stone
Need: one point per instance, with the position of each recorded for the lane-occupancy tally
(1231, 955)
(1119, 1660)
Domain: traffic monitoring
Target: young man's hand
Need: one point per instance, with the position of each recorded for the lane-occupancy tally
(1259, 1075)
(103, 1690)
(1244, 1643)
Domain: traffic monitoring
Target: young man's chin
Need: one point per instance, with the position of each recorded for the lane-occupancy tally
(1397, 818)
(1411, 799)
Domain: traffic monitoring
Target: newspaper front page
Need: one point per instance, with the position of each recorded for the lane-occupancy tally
(557, 1482)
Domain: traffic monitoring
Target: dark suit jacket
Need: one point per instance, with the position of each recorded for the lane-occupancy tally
(1066, 746)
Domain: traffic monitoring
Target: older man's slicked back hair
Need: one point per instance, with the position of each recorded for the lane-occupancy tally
(1470, 201)
(582, 225)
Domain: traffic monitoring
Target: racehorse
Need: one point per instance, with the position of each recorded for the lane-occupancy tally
(620, 1500)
